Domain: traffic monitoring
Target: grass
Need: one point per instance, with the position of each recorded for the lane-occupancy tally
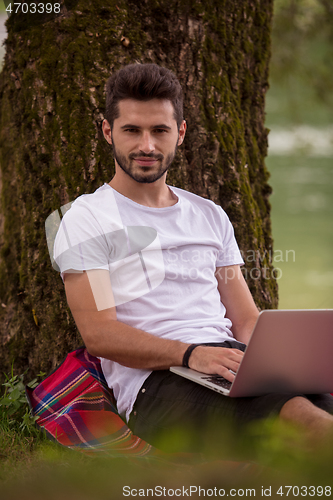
(48, 471)
(16, 448)
(275, 454)
(39, 469)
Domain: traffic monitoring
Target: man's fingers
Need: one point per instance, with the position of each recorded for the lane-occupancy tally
(234, 361)
(227, 371)
(229, 358)
(216, 360)
(224, 372)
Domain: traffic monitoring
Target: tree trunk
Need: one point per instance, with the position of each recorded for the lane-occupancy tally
(52, 150)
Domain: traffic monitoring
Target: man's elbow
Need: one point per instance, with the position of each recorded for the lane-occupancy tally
(242, 330)
(97, 332)
(95, 344)
(93, 349)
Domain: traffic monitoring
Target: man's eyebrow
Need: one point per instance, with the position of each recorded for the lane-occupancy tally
(154, 126)
(129, 126)
(162, 126)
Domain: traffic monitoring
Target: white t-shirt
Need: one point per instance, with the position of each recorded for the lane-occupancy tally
(161, 262)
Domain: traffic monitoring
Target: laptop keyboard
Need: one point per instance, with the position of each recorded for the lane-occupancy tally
(220, 381)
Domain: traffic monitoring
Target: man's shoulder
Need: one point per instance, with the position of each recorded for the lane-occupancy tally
(203, 203)
(98, 209)
(97, 198)
(101, 200)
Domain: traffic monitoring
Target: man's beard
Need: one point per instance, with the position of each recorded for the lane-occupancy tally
(126, 164)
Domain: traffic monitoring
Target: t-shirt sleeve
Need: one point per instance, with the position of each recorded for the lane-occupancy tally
(80, 244)
(229, 255)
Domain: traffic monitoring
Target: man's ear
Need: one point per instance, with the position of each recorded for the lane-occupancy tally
(181, 133)
(107, 131)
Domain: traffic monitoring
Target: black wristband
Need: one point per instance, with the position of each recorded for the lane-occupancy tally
(188, 353)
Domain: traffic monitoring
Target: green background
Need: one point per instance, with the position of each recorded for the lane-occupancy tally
(300, 102)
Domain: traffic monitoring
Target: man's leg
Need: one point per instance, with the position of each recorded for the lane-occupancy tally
(167, 401)
(315, 421)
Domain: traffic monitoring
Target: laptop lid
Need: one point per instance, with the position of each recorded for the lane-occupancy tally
(290, 351)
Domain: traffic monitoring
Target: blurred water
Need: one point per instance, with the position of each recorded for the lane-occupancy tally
(302, 221)
(303, 139)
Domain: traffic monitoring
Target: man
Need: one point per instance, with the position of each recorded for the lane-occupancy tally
(152, 271)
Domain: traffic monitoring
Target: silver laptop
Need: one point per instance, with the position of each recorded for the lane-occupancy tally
(290, 351)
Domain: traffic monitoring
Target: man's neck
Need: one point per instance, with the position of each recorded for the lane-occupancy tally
(155, 194)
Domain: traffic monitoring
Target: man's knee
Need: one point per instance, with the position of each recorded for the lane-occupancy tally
(301, 411)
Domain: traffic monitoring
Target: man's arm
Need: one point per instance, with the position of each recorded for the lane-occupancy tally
(89, 296)
(106, 337)
(242, 311)
(238, 301)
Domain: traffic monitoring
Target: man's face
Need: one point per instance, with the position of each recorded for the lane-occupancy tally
(145, 138)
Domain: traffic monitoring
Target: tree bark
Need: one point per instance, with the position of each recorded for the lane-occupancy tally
(52, 89)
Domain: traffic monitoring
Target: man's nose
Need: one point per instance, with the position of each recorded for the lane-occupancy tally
(147, 144)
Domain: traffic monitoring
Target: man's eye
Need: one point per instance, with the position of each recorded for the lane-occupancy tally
(132, 130)
(160, 130)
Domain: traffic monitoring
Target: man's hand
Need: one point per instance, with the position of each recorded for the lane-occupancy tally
(216, 360)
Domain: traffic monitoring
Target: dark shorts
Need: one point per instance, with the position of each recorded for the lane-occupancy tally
(167, 401)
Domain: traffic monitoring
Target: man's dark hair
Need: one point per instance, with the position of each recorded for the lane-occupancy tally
(143, 82)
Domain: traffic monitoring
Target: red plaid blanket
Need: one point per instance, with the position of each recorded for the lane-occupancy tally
(77, 409)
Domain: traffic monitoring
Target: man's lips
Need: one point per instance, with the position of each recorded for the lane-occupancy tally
(146, 162)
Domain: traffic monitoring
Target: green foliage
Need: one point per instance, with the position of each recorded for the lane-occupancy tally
(301, 68)
(269, 454)
(14, 408)
(20, 438)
